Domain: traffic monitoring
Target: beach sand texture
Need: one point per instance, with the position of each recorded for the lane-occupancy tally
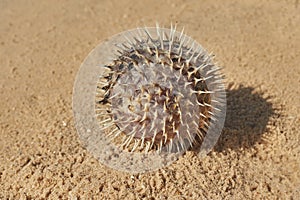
(43, 43)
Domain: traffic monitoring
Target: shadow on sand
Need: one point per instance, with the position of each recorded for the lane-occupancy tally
(248, 114)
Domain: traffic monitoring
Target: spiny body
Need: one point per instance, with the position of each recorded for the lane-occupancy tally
(155, 95)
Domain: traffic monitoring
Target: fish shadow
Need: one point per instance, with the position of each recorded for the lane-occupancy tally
(247, 116)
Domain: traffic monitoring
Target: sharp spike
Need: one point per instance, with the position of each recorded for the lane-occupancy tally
(103, 84)
(116, 135)
(171, 39)
(107, 126)
(204, 122)
(140, 33)
(188, 41)
(215, 69)
(181, 34)
(189, 60)
(164, 130)
(180, 55)
(182, 42)
(160, 146)
(153, 138)
(202, 115)
(125, 46)
(200, 134)
(144, 133)
(190, 138)
(175, 28)
(177, 133)
(170, 145)
(148, 34)
(200, 52)
(129, 41)
(213, 100)
(110, 98)
(103, 114)
(147, 146)
(182, 143)
(165, 107)
(103, 109)
(113, 131)
(106, 120)
(217, 109)
(201, 92)
(160, 37)
(178, 147)
(128, 136)
(136, 143)
(187, 84)
(125, 137)
(195, 123)
(191, 48)
(129, 141)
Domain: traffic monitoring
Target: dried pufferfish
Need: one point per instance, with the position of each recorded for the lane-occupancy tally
(154, 95)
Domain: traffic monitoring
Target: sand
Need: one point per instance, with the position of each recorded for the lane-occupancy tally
(42, 44)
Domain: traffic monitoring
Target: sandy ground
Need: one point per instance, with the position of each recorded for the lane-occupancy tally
(42, 44)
